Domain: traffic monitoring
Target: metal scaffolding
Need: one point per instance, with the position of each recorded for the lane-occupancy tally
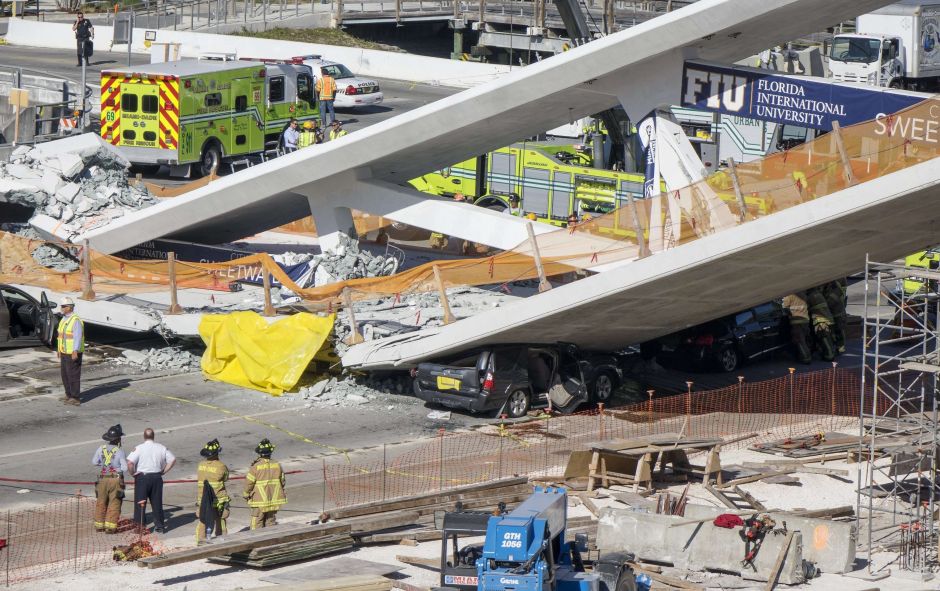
(897, 469)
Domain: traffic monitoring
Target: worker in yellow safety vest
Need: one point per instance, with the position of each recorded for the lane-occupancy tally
(337, 131)
(326, 89)
(71, 346)
(309, 135)
(211, 501)
(264, 487)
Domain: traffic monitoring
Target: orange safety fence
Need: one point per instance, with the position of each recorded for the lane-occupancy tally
(817, 168)
(792, 406)
(58, 538)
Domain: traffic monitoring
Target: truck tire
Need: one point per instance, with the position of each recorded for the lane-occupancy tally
(615, 574)
(211, 159)
(517, 405)
(602, 390)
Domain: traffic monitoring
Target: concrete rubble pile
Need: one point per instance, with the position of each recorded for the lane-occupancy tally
(386, 317)
(352, 391)
(167, 358)
(73, 185)
(57, 258)
(347, 261)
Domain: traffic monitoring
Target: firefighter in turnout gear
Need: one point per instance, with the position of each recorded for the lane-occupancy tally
(835, 292)
(822, 323)
(264, 487)
(800, 336)
(211, 501)
(109, 489)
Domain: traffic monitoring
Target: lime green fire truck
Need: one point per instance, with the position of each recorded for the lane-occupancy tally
(202, 112)
(552, 181)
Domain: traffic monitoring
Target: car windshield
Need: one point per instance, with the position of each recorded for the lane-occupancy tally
(337, 71)
(855, 49)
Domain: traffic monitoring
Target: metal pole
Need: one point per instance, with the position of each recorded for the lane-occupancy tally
(78, 501)
(384, 470)
(792, 409)
(323, 501)
(440, 463)
(83, 91)
(649, 412)
(130, 36)
(8, 548)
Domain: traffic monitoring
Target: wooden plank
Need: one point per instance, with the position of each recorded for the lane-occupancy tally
(721, 496)
(589, 504)
(843, 511)
(325, 571)
(666, 580)
(755, 478)
(245, 541)
(749, 498)
(436, 497)
(348, 583)
(423, 535)
(431, 563)
(775, 571)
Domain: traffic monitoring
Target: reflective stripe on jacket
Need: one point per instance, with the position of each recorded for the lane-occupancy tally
(66, 335)
(264, 485)
(307, 138)
(215, 473)
(337, 134)
(326, 86)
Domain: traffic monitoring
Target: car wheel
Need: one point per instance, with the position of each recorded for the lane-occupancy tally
(728, 359)
(603, 388)
(211, 159)
(517, 404)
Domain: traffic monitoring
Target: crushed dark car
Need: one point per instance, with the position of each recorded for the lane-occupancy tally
(511, 379)
(730, 341)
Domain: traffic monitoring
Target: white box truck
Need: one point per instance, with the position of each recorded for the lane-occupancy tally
(897, 46)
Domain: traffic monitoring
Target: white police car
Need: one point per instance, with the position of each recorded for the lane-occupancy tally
(351, 90)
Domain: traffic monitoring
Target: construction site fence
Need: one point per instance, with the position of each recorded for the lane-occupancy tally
(796, 405)
(59, 538)
(636, 228)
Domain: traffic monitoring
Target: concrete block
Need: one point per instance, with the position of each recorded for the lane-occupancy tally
(51, 182)
(67, 165)
(831, 545)
(86, 146)
(23, 172)
(19, 152)
(694, 546)
(67, 193)
(67, 214)
(49, 228)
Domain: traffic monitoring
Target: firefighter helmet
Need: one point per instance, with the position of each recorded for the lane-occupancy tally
(265, 448)
(113, 433)
(211, 449)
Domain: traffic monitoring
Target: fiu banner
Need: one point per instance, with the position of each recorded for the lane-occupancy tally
(796, 100)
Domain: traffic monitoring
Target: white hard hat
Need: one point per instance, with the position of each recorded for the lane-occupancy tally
(67, 301)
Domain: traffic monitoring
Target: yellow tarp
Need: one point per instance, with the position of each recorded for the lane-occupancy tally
(244, 350)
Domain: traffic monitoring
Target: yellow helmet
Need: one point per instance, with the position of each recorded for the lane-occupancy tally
(308, 125)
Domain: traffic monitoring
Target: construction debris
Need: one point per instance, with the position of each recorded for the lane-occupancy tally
(400, 314)
(73, 185)
(289, 552)
(167, 358)
(354, 390)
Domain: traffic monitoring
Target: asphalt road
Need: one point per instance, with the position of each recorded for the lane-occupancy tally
(41, 439)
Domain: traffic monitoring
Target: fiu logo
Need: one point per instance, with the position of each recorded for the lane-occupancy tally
(715, 90)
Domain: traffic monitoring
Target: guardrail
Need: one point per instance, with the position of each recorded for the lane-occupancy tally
(47, 113)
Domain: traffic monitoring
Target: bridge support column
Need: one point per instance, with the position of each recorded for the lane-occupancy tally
(331, 221)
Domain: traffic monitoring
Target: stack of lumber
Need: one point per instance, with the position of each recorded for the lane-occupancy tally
(810, 445)
(352, 583)
(289, 551)
(389, 521)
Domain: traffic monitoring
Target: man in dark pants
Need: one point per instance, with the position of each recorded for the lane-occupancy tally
(84, 32)
(148, 463)
(71, 347)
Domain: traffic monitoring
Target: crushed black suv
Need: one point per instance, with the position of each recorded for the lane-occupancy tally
(511, 379)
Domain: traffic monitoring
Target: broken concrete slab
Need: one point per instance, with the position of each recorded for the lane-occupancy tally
(831, 545)
(694, 546)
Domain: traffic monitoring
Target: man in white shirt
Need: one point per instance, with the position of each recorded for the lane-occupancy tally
(148, 463)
